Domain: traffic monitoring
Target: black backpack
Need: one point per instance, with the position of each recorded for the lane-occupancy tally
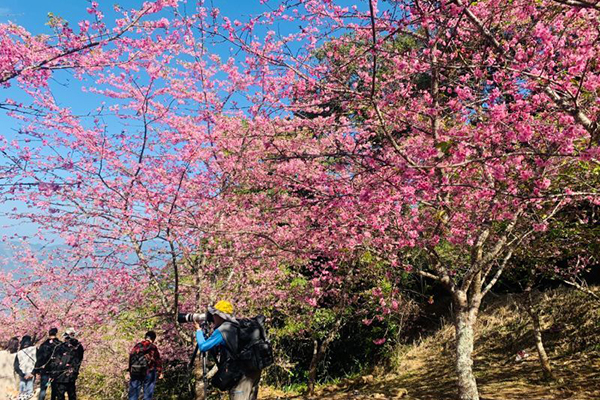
(254, 348)
(254, 353)
(139, 364)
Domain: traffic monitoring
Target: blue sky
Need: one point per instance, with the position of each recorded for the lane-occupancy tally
(33, 15)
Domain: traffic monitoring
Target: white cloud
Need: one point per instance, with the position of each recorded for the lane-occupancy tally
(4, 11)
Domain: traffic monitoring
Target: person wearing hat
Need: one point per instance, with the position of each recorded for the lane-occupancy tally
(224, 340)
(43, 355)
(64, 366)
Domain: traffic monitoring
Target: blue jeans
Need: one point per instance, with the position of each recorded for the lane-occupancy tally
(43, 386)
(26, 386)
(149, 383)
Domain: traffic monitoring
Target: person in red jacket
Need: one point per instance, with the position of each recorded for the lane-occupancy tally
(145, 367)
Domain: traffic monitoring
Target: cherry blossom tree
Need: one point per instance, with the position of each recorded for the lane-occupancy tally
(441, 129)
(127, 185)
(455, 143)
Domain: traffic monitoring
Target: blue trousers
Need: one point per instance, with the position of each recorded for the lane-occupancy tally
(26, 386)
(148, 383)
(44, 387)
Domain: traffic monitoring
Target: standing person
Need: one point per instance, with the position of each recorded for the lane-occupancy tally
(242, 384)
(8, 382)
(24, 365)
(43, 355)
(64, 366)
(145, 367)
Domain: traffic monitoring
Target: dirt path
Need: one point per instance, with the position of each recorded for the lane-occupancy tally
(425, 372)
(577, 379)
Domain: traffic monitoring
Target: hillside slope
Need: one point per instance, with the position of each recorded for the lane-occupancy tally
(424, 371)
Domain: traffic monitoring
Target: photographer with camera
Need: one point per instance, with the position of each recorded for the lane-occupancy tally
(242, 383)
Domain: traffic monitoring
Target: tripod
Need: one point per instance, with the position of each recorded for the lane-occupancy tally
(204, 365)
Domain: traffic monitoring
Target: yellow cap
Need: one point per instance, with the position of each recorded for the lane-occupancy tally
(224, 306)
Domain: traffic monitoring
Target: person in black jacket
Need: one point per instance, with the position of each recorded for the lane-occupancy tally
(44, 353)
(64, 366)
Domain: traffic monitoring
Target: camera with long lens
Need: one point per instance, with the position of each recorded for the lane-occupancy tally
(191, 317)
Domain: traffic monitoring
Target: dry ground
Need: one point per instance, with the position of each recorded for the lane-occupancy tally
(571, 323)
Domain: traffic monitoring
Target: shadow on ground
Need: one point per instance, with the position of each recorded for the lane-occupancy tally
(425, 371)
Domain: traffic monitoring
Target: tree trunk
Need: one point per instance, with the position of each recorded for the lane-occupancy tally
(467, 385)
(198, 369)
(314, 363)
(537, 334)
(319, 349)
(539, 345)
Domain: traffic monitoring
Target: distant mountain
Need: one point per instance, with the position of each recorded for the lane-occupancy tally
(7, 251)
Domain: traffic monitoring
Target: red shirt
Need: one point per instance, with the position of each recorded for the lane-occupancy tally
(151, 353)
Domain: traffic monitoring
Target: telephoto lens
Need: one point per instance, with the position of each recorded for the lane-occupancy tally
(191, 317)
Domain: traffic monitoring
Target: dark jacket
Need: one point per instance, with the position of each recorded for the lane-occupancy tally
(225, 354)
(64, 365)
(230, 332)
(43, 355)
